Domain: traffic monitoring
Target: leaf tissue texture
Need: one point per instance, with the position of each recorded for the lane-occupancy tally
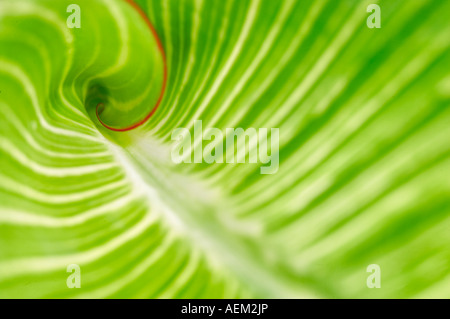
(364, 149)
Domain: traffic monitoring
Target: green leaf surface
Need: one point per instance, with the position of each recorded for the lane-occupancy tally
(364, 172)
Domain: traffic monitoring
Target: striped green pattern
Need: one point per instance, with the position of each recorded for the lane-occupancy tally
(364, 174)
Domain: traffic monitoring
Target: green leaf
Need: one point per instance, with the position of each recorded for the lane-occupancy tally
(363, 117)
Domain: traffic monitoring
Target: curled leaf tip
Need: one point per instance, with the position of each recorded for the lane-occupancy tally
(101, 106)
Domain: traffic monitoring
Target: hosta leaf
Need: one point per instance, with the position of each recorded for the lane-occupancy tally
(363, 117)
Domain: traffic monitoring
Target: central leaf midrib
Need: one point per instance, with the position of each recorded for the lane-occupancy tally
(165, 188)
